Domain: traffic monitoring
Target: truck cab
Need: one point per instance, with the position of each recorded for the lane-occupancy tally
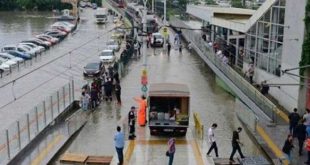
(101, 15)
(168, 109)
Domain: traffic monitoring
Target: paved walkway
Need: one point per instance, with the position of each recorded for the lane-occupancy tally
(270, 137)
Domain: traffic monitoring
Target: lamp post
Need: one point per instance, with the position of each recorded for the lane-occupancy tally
(165, 24)
(144, 70)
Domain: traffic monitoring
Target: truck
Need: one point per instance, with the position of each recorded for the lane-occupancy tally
(101, 15)
(168, 109)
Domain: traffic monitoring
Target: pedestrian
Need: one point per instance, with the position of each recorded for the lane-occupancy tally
(169, 48)
(171, 150)
(190, 46)
(212, 140)
(139, 48)
(119, 141)
(264, 88)
(85, 101)
(301, 134)
(180, 48)
(176, 39)
(250, 72)
(136, 47)
(116, 77)
(307, 146)
(294, 118)
(306, 119)
(108, 87)
(118, 93)
(142, 110)
(236, 145)
(93, 97)
(131, 123)
(288, 146)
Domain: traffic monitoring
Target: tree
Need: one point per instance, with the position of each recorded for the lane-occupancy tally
(236, 3)
(210, 2)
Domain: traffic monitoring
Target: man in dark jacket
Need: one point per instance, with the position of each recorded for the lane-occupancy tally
(108, 87)
(118, 93)
(294, 118)
(236, 145)
(301, 134)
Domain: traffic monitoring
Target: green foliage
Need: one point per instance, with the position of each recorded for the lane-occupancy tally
(210, 2)
(305, 56)
(236, 3)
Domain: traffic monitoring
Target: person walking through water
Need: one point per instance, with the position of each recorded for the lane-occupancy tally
(169, 48)
(301, 134)
(180, 48)
(131, 122)
(171, 150)
(236, 145)
(294, 118)
(212, 140)
(119, 142)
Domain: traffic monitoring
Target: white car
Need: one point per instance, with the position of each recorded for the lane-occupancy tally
(11, 57)
(107, 56)
(38, 49)
(11, 63)
(64, 23)
(4, 67)
(113, 45)
(63, 28)
(18, 48)
(157, 40)
(30, 49)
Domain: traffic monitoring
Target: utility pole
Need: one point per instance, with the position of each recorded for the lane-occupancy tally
(153, 4)
(165, 23)
(144, 78)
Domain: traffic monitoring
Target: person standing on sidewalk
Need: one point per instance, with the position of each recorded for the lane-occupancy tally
(119, 141)
(301, 134)
(306, 119)
(85, 101)
(236, 145)
(171, 150)
(131, 122)
(118, 93)
(288, 146)
(294, 118)
(212, 140)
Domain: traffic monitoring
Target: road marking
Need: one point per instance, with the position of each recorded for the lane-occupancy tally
(197, 153)
(275, 149)
(38, 159)
(160, 142)
(129, 151)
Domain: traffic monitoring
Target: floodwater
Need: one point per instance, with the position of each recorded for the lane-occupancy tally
(18, 26)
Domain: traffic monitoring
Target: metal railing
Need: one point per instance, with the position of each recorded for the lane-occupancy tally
(246, 115)
(199, 45)
(199, 128)
(24, 130)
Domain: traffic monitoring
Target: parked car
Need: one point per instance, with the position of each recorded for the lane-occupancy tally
(53, 40)
(82, 4)
(65, 23)
(22, 55)
(93, 69)
(38, 49)
(11, 57)
(94, 5)
(28, 49)
(11, 63)
(157, 40)
(63, 28)
(107, 56)
(118, 33)
(18, 48)
(4, 67)
(113, 45)
(56, 33)
(37, 42)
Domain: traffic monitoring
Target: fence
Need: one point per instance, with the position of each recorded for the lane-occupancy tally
(261, 101)
(199, 128)
(246, 115)
(76, 121)
(24, 130)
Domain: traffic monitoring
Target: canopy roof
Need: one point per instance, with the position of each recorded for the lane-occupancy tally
(169, 90)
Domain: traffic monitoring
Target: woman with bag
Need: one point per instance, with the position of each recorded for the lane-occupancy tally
(171, 150)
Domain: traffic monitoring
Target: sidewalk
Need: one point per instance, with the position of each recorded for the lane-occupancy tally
(271, 137)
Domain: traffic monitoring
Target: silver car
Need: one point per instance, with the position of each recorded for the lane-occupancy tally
(113, 45)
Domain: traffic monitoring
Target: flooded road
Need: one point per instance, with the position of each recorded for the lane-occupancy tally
(18, 26)
(210, 101)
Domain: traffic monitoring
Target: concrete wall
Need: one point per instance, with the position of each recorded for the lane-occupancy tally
(288, 96)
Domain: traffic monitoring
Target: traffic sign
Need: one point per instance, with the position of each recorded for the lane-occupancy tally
(144, 88)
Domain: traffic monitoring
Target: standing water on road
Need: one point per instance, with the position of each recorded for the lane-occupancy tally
(18, 26)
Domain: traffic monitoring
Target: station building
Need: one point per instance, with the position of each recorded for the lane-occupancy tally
(271, 37)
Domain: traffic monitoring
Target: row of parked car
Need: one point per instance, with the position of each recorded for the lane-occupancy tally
(11, 55)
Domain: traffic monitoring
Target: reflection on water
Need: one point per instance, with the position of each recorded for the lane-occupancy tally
(18, 26)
